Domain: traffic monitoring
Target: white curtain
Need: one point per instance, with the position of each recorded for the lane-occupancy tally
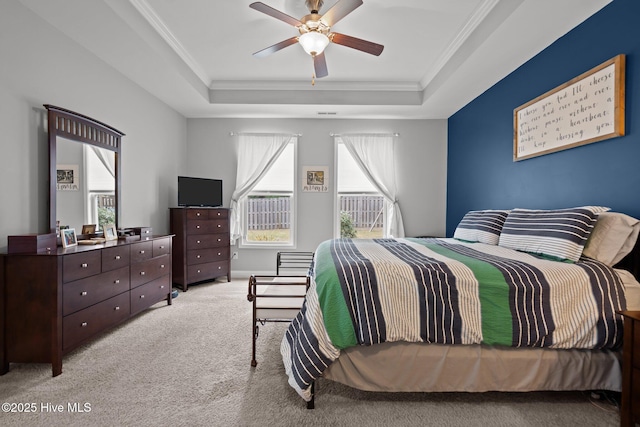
(107, 158)
(375, 154)
(256, 154)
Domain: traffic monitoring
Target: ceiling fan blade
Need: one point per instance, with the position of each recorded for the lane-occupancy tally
(261, 7)
(320, 66)
(340, 10)
(276, 47)
(356, 43)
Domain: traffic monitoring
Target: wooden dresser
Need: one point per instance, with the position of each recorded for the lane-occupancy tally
(630, 407)
(201, 246)
(55, 301)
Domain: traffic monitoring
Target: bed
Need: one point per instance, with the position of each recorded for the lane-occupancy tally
(516, 300)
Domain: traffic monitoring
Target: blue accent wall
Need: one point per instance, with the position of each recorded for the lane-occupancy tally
(481, 171)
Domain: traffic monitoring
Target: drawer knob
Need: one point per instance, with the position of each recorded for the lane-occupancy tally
(117, 308)
(197, 226)
(161, 265)
(83, 293)
(142, 273)
(141, 296)
(141, 252)
(116, 281)
(219, 268)
(198, 214)
(198, 242)
(219, 225)
(83, 324)
(198, 271)
(146, 231)
(84, 265)
(161, 246)
(161, 286)
(198, 256)
(219, 240)
(219, 253)
(219, 214)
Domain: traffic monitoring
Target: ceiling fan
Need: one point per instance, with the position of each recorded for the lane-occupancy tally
(315, 32)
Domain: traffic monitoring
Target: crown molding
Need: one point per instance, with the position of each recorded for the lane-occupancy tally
(465, 32)
(145, 9)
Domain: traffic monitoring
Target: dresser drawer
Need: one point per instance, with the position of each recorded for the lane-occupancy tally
(146, 271)
(207, 226)
(141, 251)
(219, 214)
(116, 257)
(197, 214)
(161, 246)
(82, 293)
(78, 266)
(201, 256)
(150, 293)
(200, 272)
(83, 324)
(207, 241)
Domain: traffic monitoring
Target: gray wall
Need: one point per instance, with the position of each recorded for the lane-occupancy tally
(42, 66)
(39, 65)
(421, 155)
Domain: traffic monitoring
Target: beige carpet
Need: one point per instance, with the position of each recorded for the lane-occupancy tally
(189, 365)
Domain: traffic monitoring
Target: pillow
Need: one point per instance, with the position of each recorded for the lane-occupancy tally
(481, 226)
(560, 234)
(612, 238)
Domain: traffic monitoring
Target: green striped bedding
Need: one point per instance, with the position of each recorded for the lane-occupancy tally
(365, 292)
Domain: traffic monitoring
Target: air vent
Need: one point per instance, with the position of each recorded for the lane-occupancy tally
(327, 113)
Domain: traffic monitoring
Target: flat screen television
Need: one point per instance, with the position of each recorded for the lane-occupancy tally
(199, 191)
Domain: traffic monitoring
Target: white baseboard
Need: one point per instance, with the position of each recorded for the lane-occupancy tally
(243, 274)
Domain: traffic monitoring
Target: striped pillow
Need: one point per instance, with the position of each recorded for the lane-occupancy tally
(559, 234)
(481, 226)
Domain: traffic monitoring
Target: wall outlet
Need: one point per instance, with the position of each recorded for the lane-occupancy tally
(234, 255)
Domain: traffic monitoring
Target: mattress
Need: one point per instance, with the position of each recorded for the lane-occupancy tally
(567, 348)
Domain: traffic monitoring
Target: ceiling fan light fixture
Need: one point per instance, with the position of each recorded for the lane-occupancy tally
(313, 42)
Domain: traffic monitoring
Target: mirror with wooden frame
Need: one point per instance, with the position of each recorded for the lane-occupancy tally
(84, 170)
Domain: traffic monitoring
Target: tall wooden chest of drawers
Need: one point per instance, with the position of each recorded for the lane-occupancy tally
(630, 408)
(201, 249)
(54, 301)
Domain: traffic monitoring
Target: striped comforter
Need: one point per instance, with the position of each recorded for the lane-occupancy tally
(444, 291)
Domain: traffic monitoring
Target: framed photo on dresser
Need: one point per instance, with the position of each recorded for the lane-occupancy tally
(88, 229)
(110, 232)
(69, 237)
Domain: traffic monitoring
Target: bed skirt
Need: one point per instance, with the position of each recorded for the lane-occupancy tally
(417, 367)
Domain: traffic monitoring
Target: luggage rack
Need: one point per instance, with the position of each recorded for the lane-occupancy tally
(275, 299)
(294, 261)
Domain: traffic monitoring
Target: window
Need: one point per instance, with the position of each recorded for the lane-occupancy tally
(100, 186)
(360, 206)
(268, 209)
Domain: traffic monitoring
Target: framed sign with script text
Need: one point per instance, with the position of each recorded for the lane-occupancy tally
(586, 109)
(315, 179)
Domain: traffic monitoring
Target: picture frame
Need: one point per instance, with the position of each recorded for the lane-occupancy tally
(588, 108)
(67, 178)
(110, 232)
(69, 237)
(315, 179)
(89, 229)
